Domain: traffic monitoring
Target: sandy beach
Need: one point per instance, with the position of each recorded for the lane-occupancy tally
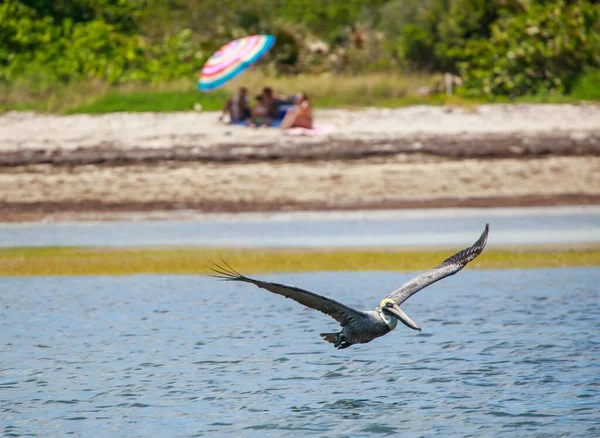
(423, 156)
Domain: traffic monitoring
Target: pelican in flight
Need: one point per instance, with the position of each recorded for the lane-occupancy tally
(360, 327)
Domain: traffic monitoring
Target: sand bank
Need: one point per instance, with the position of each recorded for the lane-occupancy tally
(394, 182)
(493, 155)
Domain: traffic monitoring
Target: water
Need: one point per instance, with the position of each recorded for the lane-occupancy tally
(502, 353)
(421, 227)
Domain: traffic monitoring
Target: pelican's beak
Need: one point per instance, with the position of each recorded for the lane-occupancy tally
(404, 318)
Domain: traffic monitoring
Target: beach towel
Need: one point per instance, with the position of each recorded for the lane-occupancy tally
(273, 124)
(316, 131)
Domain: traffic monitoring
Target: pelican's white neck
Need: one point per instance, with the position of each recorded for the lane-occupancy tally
(391, 321)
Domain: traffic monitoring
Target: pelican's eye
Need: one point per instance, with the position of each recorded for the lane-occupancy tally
(389, 304)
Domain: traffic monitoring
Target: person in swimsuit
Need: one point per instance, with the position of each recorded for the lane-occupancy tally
(237, 107)
(260, 114)
(271, 102)
(300, 116)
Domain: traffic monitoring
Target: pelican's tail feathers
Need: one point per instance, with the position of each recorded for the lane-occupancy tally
(330, 337)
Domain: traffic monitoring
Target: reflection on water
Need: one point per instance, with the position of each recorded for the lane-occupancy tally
(420, 227)
(502, 352)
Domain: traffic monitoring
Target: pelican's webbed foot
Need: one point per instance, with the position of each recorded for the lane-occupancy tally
(340, 342)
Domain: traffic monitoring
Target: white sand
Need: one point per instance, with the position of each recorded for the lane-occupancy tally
(333, 183)
(19, 131)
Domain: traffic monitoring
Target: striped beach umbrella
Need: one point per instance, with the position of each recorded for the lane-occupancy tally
(232, 59)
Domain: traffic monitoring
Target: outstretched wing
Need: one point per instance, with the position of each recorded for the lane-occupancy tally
(338, 311)
(450, 266)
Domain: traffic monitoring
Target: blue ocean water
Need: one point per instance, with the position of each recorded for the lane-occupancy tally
(553, 225)
(502, 353)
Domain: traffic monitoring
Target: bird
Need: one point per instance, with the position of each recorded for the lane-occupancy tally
(361, 327)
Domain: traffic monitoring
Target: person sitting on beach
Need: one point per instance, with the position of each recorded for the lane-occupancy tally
(300, 115)
(259, 115)
(270, 102)
(237, 107)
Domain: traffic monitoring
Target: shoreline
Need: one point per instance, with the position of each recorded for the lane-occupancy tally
(308, 215)
(36, 192)
(98, 211)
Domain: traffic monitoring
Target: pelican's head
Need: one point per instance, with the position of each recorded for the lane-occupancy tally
(390, 308)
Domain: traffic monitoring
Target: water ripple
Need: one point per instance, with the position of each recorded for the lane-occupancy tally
(513, 353)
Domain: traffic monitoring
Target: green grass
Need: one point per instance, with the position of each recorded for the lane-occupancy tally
(588, 86)
(165, 101)
(158, 101)
(326, 91)
(108, 261)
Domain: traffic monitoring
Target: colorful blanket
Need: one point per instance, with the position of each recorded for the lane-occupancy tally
(317, 130)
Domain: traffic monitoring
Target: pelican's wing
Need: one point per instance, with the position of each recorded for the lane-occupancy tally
(338, 311)
(450, 266)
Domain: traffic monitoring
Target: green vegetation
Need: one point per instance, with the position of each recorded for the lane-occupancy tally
(326, 90)
(138, 101)
(587, 86)
(544, 49)
(109, 55)
(108, 261)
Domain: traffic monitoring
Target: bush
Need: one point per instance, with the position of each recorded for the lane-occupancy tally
(500, 47)
(430, 34)
(72, 51)
(543, 50)
(587, 86)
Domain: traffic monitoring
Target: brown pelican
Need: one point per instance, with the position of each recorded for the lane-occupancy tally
(360, 327)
